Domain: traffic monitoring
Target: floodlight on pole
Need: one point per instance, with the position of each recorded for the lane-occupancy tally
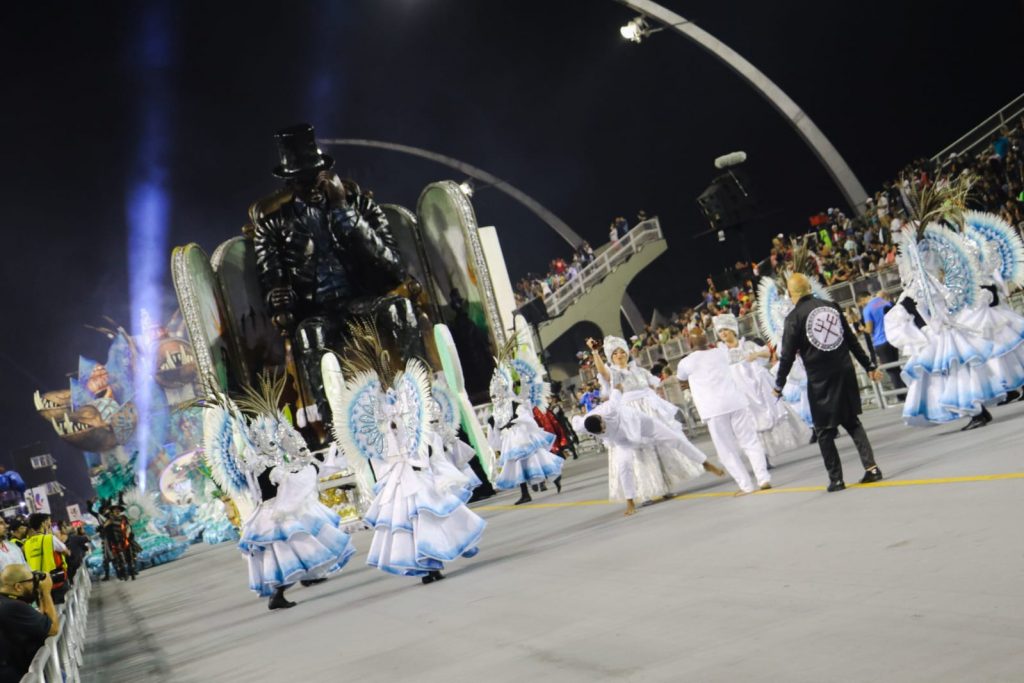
(827, 154)
(467, 187)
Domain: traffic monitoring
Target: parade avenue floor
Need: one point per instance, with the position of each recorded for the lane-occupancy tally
(916, 578)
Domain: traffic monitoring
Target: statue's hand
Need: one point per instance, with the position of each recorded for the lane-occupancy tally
(281, 298)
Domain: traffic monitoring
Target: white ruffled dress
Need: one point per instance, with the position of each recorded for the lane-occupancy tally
(658, 469)
(417, 525)
(952, 371)
(778, 426)
(526, 456)
(293, 536)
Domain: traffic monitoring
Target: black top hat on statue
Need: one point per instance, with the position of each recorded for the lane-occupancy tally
(296, 145)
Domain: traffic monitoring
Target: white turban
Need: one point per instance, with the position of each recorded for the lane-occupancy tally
(611, 343)
(726, 321)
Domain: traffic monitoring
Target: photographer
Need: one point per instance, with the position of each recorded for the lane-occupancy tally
(23, 628)
(45, 553)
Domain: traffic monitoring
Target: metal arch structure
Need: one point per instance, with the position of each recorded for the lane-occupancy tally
(629, 307)
(827, 154)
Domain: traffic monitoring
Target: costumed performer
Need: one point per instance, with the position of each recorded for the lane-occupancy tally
(778, 426)
(261, 461)
(949, 374)
(525, 449)
(657, 470)
(418, 524)
(449, 455)
(817, 331)
(723, 406)
(627, 430)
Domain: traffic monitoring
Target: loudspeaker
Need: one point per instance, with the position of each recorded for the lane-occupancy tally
(534, 311)
(727, 201)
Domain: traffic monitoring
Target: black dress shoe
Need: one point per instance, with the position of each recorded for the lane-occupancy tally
(437, 575)
(977, 421)
(1011, 396)
(312, 582)
(278, 601)
(836, 486)
(523, 499)
(871, 475)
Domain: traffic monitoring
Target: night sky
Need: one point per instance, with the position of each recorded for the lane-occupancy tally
(102, 97)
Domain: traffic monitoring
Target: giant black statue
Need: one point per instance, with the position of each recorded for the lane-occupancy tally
(325, 255)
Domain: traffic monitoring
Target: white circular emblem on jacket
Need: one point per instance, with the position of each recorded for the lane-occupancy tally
(825, 328)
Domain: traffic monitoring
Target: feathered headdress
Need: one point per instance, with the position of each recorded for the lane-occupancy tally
(1001, 248)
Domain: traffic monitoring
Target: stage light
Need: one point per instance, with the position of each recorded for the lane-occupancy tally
(635, 31)
(467, 188)
(721, 235)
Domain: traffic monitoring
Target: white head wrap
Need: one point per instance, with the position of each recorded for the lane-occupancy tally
(611, 343)
(726, 321)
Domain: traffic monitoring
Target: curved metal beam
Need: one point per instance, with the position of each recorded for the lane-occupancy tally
(629, 307)
(827, 154)
(556, 223)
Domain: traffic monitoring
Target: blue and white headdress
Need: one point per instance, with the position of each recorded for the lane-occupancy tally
(947, 259)
(381, 400)
(446, 410)
(773, 305)
(1000, 248)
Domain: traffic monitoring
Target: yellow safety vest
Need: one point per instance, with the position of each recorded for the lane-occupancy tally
(39, 553)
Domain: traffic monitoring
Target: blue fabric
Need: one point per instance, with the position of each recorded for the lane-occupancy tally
(874, 313)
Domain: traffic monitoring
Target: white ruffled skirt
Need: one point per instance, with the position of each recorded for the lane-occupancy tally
(526, 456)
(778, 426)
(417, 527)
(293, 537)
(658, 470)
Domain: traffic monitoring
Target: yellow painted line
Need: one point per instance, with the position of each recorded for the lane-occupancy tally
(894, 483)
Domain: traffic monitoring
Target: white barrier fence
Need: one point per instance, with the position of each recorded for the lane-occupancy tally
(60, 657)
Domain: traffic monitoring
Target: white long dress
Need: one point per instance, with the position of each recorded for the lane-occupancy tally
(779, 428)
(526, 456)
(417, 525)
(658, 469)
(293, 536)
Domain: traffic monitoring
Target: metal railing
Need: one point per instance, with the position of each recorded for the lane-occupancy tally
(605, 261)
(60, 657)
(981, 134)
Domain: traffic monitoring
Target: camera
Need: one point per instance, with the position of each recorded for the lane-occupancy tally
(37, 578)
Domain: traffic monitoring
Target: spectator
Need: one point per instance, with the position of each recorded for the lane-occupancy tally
(18, 531)
(45, 553)
(23, 628)
(10, 552)
(78, 544)
(874, 324)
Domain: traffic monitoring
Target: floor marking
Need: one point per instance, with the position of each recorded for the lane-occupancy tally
(893, 483)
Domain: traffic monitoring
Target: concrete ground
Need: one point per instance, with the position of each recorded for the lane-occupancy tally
(917, 579)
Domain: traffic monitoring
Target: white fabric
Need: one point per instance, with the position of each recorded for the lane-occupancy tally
(726, 321)
(733, 434)
(659, 461)
(10, 553)
(711, 383)
(778, 426)
(613, 343)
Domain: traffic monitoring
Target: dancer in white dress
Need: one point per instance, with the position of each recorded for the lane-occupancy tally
(948, 374)
(449, 456)
(778, 426)
(723, 406)
(418, 524)
(657, 470)
(262, 462)
(525, 449)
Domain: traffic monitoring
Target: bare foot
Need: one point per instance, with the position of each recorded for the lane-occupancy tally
(741, 492)
(630, 508)
(713, 469)
(765, 486)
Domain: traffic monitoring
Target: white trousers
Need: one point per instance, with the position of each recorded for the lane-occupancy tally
(622, 465)
(735, 433)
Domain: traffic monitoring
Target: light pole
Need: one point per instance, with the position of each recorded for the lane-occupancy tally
(638, 28)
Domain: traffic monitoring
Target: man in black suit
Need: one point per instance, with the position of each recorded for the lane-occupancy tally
(818, 331)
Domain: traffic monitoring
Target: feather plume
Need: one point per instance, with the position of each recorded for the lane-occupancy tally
(265, 398)
(364, 352)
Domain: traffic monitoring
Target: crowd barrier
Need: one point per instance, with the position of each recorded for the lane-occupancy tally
(60, 657)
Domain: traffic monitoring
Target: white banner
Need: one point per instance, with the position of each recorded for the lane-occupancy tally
(74, 513)
(38, 500)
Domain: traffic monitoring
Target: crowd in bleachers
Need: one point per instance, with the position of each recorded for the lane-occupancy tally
(844, 248)
(562, 271)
